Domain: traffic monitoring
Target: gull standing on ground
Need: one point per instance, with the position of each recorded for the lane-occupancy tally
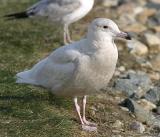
(64, 12)
(81, 68)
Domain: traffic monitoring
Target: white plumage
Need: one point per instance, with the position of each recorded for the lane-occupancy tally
(81, 68)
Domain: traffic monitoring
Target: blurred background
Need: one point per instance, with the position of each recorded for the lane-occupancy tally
(27, 111)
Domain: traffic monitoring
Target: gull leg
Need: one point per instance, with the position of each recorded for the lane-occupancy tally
(68, 34)
(84, 113)
(84, 126)
(65, 35)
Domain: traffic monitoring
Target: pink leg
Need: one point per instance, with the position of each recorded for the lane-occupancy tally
(84, 126)
(84, 113)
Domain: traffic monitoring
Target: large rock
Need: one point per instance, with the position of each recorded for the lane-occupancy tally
(137, 48)
(140, 113)
(133, 83)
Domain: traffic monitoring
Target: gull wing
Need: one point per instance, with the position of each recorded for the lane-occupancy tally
(54, 8)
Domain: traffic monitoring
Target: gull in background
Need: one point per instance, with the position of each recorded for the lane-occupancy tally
(81, 68)
(63, 12)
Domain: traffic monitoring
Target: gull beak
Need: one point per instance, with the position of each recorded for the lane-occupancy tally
(124, 35)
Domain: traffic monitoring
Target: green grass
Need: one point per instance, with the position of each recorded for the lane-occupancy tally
(26, 111)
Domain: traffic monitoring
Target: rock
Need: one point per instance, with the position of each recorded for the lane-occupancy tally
(156, 28)
(153, 5)
(138, 10)
(137, 126)
(137, 48)
(133, 83)
(153, 95)
(118, 124)
(126, 8)
(110, 3)
(124, 109)
(145, 14)
(147, 105)
(136, 27)
(154, 75)
(127, 19)
(122, 69)
(155, 1)
(140, 113)
(158, 110)
(152, 41)
(116, 136)
(156, 63)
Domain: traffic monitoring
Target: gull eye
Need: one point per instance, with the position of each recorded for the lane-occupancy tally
(105, 27)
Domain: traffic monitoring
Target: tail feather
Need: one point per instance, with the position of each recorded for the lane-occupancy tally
(20, 15)
(24, 77)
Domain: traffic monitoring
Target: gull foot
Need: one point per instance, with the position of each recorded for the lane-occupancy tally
(89, 128)
(90, 123)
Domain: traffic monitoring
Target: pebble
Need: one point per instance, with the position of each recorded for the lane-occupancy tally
(136, 27)
(140, 113)
(158, 110)
(110, 3)
(118, 124)
(125, 109)
(138, 127)
(145, 14)
(153, 95)
(147, 105)
(156, 63)
(154, 75)
(116, 136)
(152, 41)
(137, 48)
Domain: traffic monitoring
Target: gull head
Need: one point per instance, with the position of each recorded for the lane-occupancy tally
(106, 29)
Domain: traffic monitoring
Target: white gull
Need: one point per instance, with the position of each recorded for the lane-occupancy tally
(64, 12)
(81, 68)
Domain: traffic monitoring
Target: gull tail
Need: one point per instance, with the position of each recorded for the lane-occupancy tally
(19, 15)
(25, 77)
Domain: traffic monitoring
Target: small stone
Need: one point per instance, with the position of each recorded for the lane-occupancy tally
(138, 10)
(118, 124)
(154, 76)
(156, 63)
(136, 27)
(138, 127)
(158, 110)
(126, 8)
(140, 113)
(155, 1)
(156, 28)
(137, 48)
(153, 95)
(124, 109)
(145, 14)
(127, 19)
(122, 69)
(110, 3)
(147, 105)
(116, 136)
(152, 41)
